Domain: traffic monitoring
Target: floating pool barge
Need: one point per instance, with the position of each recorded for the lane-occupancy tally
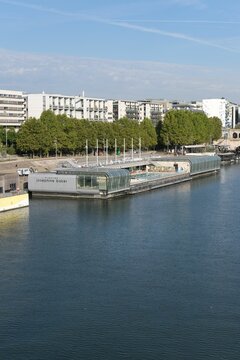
(122, 178)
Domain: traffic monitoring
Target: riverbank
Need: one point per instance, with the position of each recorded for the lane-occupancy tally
(10, 164)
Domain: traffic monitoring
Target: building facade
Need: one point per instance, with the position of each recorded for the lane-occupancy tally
(12, 108)
(194, 106)
(79, 107)
(225, 110)
(141, 109)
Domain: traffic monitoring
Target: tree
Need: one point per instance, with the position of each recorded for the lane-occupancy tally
(147, 134)
(177, 128)
(29, 137)
(202, 131)
(181, 127)
(215, 127)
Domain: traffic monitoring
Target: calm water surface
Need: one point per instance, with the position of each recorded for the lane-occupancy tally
(152, 276)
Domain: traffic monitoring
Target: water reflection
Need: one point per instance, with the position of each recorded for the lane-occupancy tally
(13, 219)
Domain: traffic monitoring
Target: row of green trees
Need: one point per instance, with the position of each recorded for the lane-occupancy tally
(68, 135)
(182, 127)
(8, 139)
(52, 133)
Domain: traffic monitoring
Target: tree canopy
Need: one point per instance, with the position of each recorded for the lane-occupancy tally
(51, 134)
(65, 135)
(182, 127)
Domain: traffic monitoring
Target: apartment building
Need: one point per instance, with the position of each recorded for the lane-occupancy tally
(140, 109)
(93, 109)
(223, 109)
(154, 109)
(12, 108)
(126, 108)
(195, 106)
(79, 107)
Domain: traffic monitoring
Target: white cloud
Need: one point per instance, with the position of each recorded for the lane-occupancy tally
(114, 78)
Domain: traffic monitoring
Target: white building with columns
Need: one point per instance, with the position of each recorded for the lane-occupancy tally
(79, 107)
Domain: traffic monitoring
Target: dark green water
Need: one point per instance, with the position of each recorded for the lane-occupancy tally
(152, 276)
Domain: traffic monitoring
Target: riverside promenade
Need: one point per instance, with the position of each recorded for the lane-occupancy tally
(10, 164)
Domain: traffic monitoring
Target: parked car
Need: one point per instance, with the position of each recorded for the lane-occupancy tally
(24, 171)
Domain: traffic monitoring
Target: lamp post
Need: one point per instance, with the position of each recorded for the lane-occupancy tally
(55, 143)
(106, 151)
(97, 151)
(132, 148)
(6, 138)
(86, 152)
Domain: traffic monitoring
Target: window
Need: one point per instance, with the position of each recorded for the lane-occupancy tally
(13, 186)
(235, 135)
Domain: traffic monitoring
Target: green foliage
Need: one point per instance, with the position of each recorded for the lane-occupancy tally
(147, 134)
(10, 137)
(216, 128)
(182, 127)
(65, 135)
(29, 137)
(2, 135)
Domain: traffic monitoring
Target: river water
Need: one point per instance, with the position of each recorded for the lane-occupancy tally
(150, 276)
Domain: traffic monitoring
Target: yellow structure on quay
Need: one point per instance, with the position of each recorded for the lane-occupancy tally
(11, 196)
(14, 201)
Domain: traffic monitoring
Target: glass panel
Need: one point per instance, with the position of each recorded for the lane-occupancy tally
(88, 181)
(80, 182)
(94, 182)
(102, 180)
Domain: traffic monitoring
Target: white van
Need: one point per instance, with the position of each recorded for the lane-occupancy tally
(24, 171)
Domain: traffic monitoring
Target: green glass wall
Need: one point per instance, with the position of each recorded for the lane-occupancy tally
(204, 163)
(105, 180)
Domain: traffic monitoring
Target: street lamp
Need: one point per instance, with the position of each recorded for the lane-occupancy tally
(140, 148)
(87, 152)
(106, 151)
(132, 148)
(6, 138)
(55, 143)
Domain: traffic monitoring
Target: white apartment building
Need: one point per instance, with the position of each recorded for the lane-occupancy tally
(12, 108)
(126, 108)
(154, 109)
(139, 110)
(223, 109)
(93, 109)
(194, 106)
(79, 107)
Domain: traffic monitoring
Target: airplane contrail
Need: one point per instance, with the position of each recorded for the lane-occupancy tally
(124, 24)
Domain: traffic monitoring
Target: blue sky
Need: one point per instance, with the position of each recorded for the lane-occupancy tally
(134, 49)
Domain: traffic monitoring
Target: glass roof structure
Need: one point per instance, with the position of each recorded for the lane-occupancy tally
(104, 180)
(198, 164)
